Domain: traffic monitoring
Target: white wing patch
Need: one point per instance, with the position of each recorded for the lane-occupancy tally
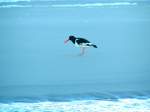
(85, 44)
(82, 44)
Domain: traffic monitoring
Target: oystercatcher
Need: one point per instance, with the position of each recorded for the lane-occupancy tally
(80, 42)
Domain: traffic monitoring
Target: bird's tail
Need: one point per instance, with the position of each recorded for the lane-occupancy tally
(94, 46)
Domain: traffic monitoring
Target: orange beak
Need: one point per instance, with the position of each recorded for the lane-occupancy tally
(66, 41)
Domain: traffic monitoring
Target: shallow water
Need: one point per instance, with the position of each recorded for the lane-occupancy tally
(123, 105)
(36, 68)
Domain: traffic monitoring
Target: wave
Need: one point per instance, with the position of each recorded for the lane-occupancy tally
(122, 105)
(95, 4)
(86, 102)
(115, 96)
(74, 0)
(67, 5)
(14, 0)
(17, 6)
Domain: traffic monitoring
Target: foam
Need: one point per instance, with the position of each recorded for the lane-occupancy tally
(17, 6)
(66, 5)
(122, 105)
(95, 4)
(14, 0)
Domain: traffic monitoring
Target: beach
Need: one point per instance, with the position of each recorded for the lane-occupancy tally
(38, 72)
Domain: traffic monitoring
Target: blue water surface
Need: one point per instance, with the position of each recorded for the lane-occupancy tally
(39, 73)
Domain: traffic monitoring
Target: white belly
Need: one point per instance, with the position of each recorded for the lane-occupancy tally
(83, 45)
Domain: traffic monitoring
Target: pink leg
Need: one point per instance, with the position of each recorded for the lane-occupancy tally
(82, 51)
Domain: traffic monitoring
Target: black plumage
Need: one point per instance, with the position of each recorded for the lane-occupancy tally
(80, 42)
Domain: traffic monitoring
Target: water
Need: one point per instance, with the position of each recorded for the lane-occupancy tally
(38, 73)
(124, 105)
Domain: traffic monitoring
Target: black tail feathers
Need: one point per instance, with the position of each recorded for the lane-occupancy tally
(94, 46)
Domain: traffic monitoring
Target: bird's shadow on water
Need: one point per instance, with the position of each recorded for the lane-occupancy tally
(75, 55)
(87, 54)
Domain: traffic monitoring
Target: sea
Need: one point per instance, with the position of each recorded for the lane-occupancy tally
(39, 73)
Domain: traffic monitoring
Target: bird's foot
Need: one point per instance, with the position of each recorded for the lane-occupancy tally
(81, 54)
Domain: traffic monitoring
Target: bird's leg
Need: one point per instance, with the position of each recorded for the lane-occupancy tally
(82, 51)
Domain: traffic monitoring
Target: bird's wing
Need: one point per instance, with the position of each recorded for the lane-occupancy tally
(81, 40)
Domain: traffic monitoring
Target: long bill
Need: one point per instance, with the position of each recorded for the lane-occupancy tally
(66, 41)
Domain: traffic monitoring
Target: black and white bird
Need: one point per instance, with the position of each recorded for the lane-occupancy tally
(80, 42)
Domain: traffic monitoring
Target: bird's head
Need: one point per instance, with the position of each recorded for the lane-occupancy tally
(71, 37)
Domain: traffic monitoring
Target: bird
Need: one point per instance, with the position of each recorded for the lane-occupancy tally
(80, 42)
